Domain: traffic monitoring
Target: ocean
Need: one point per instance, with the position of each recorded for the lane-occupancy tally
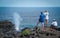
(29, 15)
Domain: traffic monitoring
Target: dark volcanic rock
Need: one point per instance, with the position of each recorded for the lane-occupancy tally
(36, 32)
(58, 36)
(6, 24)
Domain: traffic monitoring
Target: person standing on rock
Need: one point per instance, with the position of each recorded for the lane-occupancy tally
(41, 19)
(46, 18)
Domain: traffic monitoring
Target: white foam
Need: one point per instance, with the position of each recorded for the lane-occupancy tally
(17, 20)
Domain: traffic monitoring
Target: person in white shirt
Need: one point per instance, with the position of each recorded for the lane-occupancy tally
(46, 17)
(54, 23)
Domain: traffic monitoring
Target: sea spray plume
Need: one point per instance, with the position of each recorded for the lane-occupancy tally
(17, 20)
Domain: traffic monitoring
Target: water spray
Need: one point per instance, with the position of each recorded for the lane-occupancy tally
(17, 20)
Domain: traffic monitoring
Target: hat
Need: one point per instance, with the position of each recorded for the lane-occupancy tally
(46, 10)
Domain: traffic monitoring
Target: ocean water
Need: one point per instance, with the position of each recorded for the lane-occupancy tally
(29, 15)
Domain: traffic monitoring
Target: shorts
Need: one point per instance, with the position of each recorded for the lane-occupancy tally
(42, 21)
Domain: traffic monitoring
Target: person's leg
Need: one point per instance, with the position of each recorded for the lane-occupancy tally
(46, 20)
(43, 25)
(37, 23)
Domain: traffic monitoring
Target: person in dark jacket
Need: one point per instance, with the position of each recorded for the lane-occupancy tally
(41, 19)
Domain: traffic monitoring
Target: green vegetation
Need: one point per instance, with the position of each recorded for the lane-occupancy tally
(25, 32)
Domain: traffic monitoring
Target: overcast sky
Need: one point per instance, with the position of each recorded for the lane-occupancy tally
(29, 3)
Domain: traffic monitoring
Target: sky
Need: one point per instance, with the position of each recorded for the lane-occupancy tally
(29, 3)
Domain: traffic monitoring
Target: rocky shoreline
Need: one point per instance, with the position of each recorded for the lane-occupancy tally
(36, 32)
